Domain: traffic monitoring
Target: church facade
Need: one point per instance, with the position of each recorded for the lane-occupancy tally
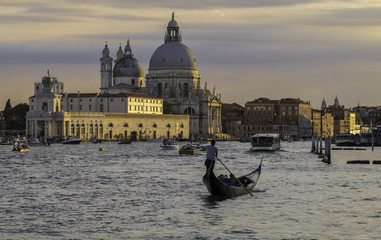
(125, 107)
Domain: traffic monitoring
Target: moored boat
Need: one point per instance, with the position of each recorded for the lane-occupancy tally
(125, 141)
(72, 140)
(224, 186)
(36, 142)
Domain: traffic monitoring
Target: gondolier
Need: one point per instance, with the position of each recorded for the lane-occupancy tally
(211, 153)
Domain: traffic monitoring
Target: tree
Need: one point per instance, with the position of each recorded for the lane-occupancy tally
(7, 109)
(15, 117)
(167, 107)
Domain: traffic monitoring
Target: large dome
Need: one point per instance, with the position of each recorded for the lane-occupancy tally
(173, 55)
(128, 67)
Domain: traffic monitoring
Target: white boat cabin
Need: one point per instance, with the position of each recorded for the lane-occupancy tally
(265, 142)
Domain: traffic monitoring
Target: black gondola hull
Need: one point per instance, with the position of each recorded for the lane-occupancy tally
(218, 188)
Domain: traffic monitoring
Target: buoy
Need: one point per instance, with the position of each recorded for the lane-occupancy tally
(101, 149)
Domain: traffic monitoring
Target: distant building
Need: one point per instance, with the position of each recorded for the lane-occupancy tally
(323, 123)
(231, 113)
(173, 76)
(56, 114)
(375, 118)
(344, 120)
(289, 117)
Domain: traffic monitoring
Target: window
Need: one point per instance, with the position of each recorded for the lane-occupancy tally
(189, 110)
(125, 125)
(111, 100)
(80, 107)
(80, 100)
(71, 107)
(71, 100)
(141, 125)
(132, 81)
(110, 125)
(90, 107)
(89, 100)
(154, 125)
(101, 108)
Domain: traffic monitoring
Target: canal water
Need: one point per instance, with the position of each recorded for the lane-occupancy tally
(140, 191)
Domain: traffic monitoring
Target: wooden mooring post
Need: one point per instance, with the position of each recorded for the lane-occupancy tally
(327, 150)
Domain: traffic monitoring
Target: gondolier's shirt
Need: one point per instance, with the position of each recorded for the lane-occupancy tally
(211, 151)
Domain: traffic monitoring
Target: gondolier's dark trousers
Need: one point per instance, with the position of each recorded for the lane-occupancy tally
(209, 164)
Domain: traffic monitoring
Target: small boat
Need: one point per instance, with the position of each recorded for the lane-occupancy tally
(224, 186)
(94, 140)
(169, 144)
(190, 149)
(36, 142)
(20, 147)
(72, 140)
(125, 141)
(20, 150)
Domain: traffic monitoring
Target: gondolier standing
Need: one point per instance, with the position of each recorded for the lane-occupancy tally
(211, 153)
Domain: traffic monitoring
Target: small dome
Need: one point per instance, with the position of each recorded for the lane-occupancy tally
(47, 81)
(128, 67)
(173, 55)
(172, 24)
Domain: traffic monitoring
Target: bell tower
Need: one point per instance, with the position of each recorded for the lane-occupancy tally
(106, 69)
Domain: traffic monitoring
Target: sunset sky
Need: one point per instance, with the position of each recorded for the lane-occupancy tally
(248, 49)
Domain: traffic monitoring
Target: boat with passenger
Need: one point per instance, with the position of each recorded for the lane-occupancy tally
(20, 147)
(169, 144)
(265, 142)
(190, 149)
(224, 186)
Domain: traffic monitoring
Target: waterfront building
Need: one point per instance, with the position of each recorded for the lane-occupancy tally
(173, 76)
(56, 114)
(231, 114)
(289, 117)
(344, 119)
(323, 123)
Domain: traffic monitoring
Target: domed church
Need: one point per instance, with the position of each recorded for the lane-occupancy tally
(174, 76)
(125, 107)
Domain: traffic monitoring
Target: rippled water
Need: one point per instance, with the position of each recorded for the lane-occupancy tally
(140, 191)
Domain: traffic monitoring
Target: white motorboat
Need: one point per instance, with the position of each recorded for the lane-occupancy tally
(265, 142)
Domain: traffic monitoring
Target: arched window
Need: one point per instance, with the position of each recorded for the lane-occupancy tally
(141, 125)
(186, 90)
(160, 90)
(110, 125)
(169, 125)
(189, 110)
(154, 125)
(182, 125)
(126, 125)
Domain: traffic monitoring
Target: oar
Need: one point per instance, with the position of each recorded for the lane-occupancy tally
(247, 190)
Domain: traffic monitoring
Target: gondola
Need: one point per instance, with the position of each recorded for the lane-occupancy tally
(224, 186)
